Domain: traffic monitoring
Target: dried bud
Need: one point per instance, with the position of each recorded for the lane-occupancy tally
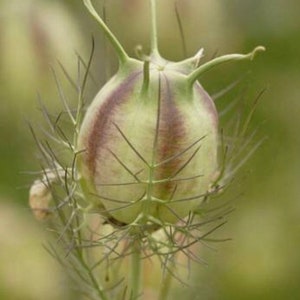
(39, 200)
(40, 195)
(150, 138)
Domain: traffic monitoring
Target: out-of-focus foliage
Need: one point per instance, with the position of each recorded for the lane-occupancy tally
(262, 261)
(25, 272)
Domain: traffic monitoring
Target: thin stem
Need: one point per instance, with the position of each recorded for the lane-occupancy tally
(108, 69)
(250, 115)
(81, 90)
(122, 55)
(97, 287)
(166, 284)
(154, 47)
(62, 97)
(222, 59)
(184, 48)
(136, 270)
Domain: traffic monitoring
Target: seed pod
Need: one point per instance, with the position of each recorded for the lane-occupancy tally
(150, 138)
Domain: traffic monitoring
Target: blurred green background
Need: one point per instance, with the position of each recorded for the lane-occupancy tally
(263, 259)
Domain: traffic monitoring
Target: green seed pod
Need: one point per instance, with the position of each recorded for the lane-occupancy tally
(149, 139)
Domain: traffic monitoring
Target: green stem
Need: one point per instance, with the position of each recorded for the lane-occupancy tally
(81, 90)
(98, 288)
(222, 59)
(166, 285)
(184, 48)
(154, 47)
(122, 55)
(136, 270)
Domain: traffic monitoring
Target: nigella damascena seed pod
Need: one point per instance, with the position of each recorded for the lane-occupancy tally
(149, 139)
(149, 150)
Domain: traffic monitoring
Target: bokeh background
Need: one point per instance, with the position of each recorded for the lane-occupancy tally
(262, 261)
